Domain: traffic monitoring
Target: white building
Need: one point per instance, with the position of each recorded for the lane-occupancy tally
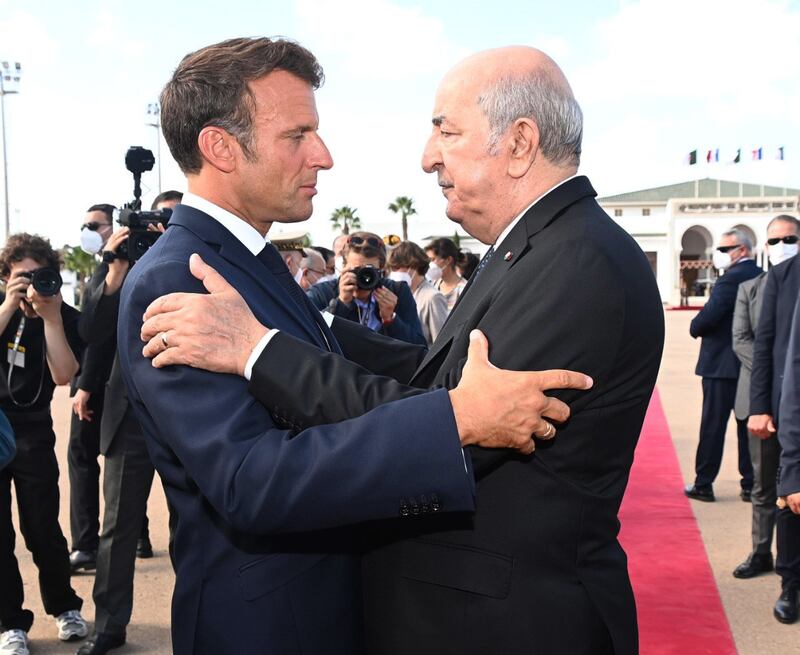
(679, 225)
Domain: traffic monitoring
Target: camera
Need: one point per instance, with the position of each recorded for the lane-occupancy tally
(368, 277)
(138, 160)
(45, 281)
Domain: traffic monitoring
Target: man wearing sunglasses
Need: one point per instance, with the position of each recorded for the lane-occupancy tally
(718, 366)
(779, 295)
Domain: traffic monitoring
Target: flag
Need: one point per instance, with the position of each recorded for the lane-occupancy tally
(716, 154)
(692, 157)
(757, 154)
(709, 155)
(738, 156)
(780, 153)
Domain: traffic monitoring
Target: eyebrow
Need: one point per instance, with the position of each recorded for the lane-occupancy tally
(438, 120)
(302, 129)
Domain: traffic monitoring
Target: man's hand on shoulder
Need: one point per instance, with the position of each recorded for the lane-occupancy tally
(495, 408)
(214, 331)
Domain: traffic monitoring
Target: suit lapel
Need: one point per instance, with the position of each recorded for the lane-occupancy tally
(238, 256)
(508, 253)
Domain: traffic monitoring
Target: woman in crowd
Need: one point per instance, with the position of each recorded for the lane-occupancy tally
(443, 255)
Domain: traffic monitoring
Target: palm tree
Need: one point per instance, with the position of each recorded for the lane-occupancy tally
(82, 264)
(404, 206)
(343, 218)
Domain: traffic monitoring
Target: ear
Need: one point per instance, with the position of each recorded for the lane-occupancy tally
(523, 147)
(218, 148)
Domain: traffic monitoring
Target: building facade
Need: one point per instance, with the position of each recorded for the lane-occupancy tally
(679, 225)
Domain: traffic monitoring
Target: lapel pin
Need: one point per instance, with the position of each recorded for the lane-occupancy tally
(508, 256)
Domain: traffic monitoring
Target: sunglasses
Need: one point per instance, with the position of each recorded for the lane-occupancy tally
(728, 248)
(792, 238)
(94, 225)
(370, 241)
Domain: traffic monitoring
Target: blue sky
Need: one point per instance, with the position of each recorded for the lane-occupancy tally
(656, 79)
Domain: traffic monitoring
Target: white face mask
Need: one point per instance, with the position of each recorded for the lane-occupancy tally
(721, 260)
(400, 276)
(434, 273)
(299, 275)
(781, 251)
(91, 241)
(338, 265)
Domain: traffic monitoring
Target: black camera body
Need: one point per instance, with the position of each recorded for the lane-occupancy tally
(138, 160)
(45, 281)
(368, 277)
(141, 236)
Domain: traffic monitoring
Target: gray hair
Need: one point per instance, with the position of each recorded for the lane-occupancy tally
(538, 96)
(741, 238)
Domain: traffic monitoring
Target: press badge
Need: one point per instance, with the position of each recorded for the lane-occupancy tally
(16, 357)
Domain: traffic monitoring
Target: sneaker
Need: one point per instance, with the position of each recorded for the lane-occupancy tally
(71, 626)
(14, 642)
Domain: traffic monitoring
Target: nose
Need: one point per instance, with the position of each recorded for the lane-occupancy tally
(322, 157)
(431, 157)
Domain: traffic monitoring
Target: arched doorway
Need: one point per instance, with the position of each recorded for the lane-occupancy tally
(696, 269)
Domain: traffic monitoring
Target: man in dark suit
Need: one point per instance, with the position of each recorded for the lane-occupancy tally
(789, 483)
(718, 366)
(764, 452)
(537, 568)
(769, 359)
(260, 565)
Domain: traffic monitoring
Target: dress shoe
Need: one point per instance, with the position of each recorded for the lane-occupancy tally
(706, 494)
(754, 565)
(786, 607)
(144, 549)
(745, 495)
(85, 560)
(101, 643)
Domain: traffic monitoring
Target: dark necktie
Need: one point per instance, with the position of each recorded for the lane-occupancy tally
(483, 263)
(271, 258)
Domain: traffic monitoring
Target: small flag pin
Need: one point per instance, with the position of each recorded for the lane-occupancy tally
(508, 256)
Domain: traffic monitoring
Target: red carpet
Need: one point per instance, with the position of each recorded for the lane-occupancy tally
(680, 611)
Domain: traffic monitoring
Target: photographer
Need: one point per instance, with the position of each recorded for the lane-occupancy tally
(364, 296)
(128, 473)
(43, 348)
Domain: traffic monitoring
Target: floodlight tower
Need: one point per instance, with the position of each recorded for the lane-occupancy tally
(9, 83)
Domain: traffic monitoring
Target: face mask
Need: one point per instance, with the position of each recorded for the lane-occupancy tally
(780, 252)
(721, 260)
(338, 266)
(400, 276)
(91, 241)
(299, 275)
(434, 272)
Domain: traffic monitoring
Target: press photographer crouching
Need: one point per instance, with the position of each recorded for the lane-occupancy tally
(40, 334)
(362, 294)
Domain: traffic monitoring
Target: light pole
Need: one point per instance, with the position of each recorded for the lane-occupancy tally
(154, 120)
(9, 83)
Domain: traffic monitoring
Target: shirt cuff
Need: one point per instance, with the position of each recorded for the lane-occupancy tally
(256, 353)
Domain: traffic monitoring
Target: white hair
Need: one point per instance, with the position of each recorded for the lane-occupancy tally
(550, 104)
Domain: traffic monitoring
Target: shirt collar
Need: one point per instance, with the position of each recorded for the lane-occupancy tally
(513, 223)
(243, 231)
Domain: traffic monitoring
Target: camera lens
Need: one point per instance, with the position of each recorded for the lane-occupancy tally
(368, 278)
(46, 281)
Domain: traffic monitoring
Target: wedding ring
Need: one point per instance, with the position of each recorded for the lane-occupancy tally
(166, 344)
(550, 431)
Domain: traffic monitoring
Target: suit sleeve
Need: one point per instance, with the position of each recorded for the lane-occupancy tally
(263, 479)
(719, 306)
(96, 365)
(742, 328)
(761, 375)
(99, 312)
(789, 428)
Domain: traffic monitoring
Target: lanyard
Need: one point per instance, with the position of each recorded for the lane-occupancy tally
(12, 363)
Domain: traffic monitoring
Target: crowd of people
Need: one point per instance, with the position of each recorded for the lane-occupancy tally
(747, 327)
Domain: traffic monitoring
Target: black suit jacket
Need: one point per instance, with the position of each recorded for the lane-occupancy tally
(98, 327)
(537, 568)
(789, 431)
(772, 337)
(714, 323)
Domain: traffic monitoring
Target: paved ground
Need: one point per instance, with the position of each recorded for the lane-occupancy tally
(725, 527)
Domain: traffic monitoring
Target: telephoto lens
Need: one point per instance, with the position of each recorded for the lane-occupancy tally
(367, 277)
(45, 281)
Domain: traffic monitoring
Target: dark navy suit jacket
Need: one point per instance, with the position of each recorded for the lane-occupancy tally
(789, 430)
(772, 337)
(714, 324)
(260, 567)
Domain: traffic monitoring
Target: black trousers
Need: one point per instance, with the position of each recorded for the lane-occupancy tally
(34, 472)
(84, 477)
(719, 396)
(127, 479)
(787, 538)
